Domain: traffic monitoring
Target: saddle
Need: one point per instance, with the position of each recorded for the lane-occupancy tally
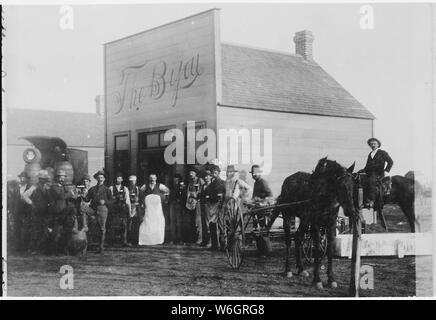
(383, 186)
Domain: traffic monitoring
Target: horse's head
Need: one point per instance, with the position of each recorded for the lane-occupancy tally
(333, 184)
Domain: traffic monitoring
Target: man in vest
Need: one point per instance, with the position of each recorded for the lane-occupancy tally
(176, 198)
(100, 197)
(378, 164)
(133, 221)
(121, 204)
(193, 209)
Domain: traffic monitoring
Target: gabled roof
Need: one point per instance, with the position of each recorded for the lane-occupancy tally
(268, 80)
(77, 129)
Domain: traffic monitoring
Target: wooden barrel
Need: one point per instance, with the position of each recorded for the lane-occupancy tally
(32, 169)
(68, 168)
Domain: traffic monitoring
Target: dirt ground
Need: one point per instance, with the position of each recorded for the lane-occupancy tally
(169, 270)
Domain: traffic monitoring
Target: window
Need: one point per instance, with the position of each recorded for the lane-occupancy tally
(148, 140)
(122, 142)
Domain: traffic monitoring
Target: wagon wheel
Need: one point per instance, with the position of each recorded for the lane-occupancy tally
(308, 247)
(234, 233)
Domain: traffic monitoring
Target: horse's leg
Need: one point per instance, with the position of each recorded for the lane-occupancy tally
(315, 237)
(331, 237)
(409, 212)
(287, 229)
(299, 236)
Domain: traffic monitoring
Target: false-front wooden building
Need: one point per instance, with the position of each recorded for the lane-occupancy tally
(162, 78)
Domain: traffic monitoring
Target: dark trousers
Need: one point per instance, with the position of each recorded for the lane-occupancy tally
(372, 186)
(205, 222)
(121, 216)
(133, 222)
(39, 232)
(189, 232)
(217, 237)
(176, 221)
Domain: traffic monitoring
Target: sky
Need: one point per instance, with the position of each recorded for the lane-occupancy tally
(387, 68)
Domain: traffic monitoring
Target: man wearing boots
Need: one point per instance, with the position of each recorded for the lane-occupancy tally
(193, 212)
(100, 197)
(214, 202)
(41, 220)
(378, 165)
(121, 205)
(133, 220)
(177, 199)
(23, 221)
(59, 196)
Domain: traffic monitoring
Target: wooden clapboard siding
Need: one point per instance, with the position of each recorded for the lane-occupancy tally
(300, 140)
(175, 44)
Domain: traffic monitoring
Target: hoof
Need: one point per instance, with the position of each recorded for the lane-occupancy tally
(289, 274)
(304, 273)
(333, 284)
(319, 285)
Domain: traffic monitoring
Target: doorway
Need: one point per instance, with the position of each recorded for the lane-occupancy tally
(151, 157)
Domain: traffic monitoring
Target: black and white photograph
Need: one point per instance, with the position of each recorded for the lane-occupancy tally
(213, 150)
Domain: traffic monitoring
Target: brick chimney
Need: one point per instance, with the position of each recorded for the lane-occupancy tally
(303, 44)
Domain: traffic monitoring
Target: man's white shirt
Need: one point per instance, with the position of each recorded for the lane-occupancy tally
(373, 153)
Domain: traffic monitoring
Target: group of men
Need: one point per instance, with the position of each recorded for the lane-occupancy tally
(195, 209)
(41, 212)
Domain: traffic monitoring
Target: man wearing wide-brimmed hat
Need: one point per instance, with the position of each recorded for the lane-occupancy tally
(60, 197)
(100, 197)
(378, 164)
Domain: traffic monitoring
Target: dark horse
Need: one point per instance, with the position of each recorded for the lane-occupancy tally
(401, 190)
(395, 189)
(318, 197)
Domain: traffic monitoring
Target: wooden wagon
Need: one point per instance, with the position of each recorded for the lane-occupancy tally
(241, 225)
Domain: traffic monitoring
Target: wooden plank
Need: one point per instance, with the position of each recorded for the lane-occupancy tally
(387, 244)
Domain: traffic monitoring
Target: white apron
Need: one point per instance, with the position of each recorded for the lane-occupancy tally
(152, 229)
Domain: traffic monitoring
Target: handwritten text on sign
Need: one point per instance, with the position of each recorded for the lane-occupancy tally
(152, 81)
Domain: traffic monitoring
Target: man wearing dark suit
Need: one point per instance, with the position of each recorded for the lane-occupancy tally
(378, 164)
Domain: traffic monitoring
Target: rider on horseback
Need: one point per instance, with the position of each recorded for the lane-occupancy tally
(378, 165)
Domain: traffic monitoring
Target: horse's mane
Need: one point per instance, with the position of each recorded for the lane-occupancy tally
(327, 167)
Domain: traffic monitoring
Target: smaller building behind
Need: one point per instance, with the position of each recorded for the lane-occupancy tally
(84, 131)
